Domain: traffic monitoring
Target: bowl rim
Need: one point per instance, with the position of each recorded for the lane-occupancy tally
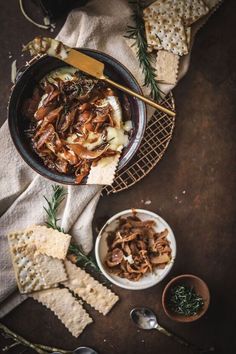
(47, 173)
(185, 319)
(106, 273)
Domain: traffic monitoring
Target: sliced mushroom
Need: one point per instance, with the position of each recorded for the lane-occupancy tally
(46, 135)
(114, 257)
(163, 258)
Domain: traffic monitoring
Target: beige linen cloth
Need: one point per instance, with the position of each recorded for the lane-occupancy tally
(101, 25)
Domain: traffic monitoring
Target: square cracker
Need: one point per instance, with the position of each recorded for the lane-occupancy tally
(189, 10)
(52, 269)
(90, 290)
(50, 242)
(27, 272)
(47, 241)
(153, 41)
(103, 172)
(33, 271)
(167, 65)
(68, 309)
(167, 33)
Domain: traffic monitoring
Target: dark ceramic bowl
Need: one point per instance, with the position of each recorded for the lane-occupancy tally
(31, 75)
(192, 281)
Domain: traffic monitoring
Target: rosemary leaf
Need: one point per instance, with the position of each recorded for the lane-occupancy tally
(52, 221)
(53, 206)
(137, 32)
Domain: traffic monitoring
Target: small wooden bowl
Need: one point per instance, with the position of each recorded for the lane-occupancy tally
(199, 286)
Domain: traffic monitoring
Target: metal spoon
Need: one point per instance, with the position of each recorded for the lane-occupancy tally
(81, 350)
(144, 318)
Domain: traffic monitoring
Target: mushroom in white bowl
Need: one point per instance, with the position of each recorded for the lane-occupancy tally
(135, 249)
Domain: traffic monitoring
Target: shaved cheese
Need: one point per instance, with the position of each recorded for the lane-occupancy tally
(53, 50)
(128, 126)
(129, 259)
(42, 99)
(117, 138)
(66, 73)
(116, 110)
(92, 145)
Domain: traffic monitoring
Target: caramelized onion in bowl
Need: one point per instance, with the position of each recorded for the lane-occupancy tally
(74, 121)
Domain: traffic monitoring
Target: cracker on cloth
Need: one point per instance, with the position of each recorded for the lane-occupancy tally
(68, 309)
(103, 172)
(167, 65)
(52, 269)
(33, 271)
(169, 33)
(189, 10)
(50, 242)
(47, 241)
(90, 290)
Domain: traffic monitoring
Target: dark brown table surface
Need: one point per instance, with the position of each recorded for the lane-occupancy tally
(193, 188)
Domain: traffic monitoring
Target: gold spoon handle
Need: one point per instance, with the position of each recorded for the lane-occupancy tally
(142, 98)
(182, 341)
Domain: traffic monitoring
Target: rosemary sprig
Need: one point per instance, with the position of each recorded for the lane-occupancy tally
(52, 221)
(82, 259)
(137, 32)
(53, 205)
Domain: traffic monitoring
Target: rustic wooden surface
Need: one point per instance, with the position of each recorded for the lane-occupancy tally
(193, 188)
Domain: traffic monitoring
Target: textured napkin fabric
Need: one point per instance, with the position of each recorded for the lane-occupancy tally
(99, 25)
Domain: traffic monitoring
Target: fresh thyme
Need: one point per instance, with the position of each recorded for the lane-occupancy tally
(137, 32)
(51, 209)
(184, 300)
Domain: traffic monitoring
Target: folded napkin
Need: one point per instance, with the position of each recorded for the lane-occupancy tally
(99, 25)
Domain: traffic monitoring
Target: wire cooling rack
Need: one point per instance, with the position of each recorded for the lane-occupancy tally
(156, 139)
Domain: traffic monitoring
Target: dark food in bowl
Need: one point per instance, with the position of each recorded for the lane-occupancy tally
(74, 121)
(135, 248)
(28, 78)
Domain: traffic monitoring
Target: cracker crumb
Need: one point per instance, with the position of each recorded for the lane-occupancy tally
(147, 202)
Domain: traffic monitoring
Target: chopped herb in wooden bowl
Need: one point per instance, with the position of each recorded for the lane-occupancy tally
(184, 300)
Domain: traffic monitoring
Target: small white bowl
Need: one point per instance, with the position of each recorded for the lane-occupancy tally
(149, 279)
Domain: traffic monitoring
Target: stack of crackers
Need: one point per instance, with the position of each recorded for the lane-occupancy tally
(43, 272)
(168, 32)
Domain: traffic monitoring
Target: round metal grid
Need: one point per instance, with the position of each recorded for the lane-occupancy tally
(156, 139)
